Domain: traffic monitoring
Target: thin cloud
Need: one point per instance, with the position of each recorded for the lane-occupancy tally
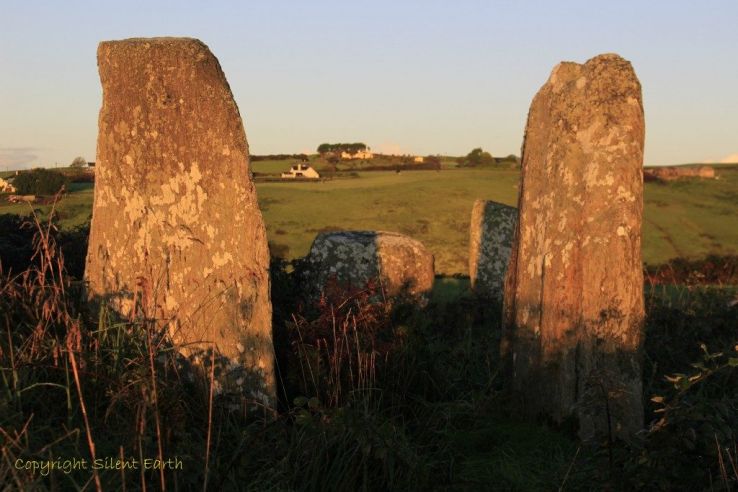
(17, 157)
(21, 149)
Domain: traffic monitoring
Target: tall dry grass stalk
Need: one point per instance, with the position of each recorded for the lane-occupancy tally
(210, 421)
(339, 351)
(47, 334)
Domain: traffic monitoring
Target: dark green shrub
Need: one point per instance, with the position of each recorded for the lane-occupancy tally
(40, 182)
(691, 387)
(16, 243)
(17, 247)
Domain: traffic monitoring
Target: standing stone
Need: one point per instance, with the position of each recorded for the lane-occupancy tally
(490, 241)
(573, 321)
(177, 234)
(353, 258)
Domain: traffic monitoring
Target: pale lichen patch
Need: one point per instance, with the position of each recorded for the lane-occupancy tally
(222, 259)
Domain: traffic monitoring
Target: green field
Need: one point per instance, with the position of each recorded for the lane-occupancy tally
(691, 218)
(688, 218)
(433, 207)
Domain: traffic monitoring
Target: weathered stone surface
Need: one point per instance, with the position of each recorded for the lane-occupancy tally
(490, 241)
(354, 258)
(671, 173)
(574, 310)
(176, 232)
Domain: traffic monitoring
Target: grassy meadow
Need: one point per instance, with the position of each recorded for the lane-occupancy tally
(689, 218)
(433, 207)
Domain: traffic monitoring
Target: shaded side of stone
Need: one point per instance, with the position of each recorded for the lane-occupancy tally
(490, 242)
(573, 315)
(177, 234)
(353, 258)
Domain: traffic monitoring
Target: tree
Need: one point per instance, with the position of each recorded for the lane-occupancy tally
(79, 162)
(476, 157)
(323, 148)
(351, 148)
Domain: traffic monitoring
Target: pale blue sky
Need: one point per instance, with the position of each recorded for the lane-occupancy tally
(421, 77)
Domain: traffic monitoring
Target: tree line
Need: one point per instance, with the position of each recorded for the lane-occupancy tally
(278, 157)
(351, 148)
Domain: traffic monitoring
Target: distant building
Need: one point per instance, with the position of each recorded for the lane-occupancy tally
(361, 154)
(301, 171)
(418, 159)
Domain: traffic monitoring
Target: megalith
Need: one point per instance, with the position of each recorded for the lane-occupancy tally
(490, 241)
(573, 308)
(177, 235)
(354, 258)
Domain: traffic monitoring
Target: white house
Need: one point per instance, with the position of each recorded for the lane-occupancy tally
(301, 171)
(361, 154)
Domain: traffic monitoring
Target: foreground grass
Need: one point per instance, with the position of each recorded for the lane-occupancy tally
(83, 384)
(425, 413)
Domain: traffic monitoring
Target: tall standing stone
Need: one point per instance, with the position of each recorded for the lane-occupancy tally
(574, 309)
(177, 234)
(490, 242)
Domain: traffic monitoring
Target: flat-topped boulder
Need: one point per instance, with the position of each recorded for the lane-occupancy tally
(177, 235)
(354, 258)
(490, 242)
(574, 309)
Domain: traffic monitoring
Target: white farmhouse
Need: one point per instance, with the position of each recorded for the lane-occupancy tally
(301, 171)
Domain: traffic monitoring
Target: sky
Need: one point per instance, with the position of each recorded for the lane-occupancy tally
(404, 76)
